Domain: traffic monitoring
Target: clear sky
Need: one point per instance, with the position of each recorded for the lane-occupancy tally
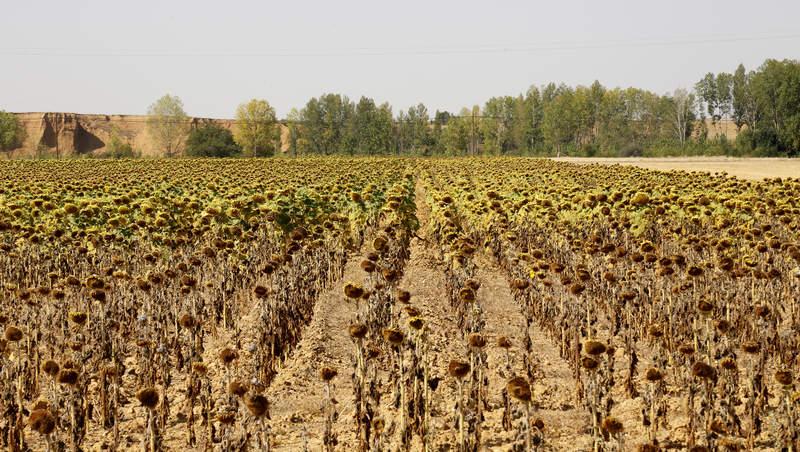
(111, 56)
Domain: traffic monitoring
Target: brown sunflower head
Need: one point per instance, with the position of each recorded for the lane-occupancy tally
(703, 370)
(393, 336)
(594, 348)
(228, 355)
(257, 405)
(148, 397)
(68, 377)
(784, 377)
(13, 334)
(403, 296)
(519, 389)
(78, 318)
(653, 375)
(612, 425)
(357, 330)
(476, 340)
(50, 367)
(504, 342)
(353, 291)
(237, 388)
(328, 373)
(458, 369)
(42, 421)
(589, 364)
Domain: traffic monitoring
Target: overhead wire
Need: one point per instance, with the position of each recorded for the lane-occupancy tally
(369, 52)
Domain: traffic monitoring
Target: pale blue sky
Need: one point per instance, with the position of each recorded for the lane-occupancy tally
(111, 56)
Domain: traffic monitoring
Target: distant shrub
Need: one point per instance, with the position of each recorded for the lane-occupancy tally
(761, 143)
(12, 134)
(631, 150)
(117, 148)
(212, 140)
(589, 150)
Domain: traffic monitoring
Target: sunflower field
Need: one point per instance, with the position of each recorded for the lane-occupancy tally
(396, 304)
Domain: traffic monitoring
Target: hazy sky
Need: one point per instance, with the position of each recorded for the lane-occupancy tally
(112, 56)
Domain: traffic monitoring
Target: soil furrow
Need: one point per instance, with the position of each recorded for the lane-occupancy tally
(296, 393)
(554, 388)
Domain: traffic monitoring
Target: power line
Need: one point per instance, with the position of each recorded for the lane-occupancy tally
(473, 127)
(370, 52)
(91, 118)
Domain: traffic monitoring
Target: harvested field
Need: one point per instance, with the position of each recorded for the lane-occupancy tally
(745, 168)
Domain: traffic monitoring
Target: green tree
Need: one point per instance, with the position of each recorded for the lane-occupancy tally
(456, 134)
(326, 122)
(497, 124)
(371, 128)
(724, 95)
(774, 115)
(706, 90)
(585, 116)
(614, 124)
(561, 120)
(551, 91)
(527, 126)
(681, 109)
(212, 140)
(12, 134)
(440, 120)
(403, 133)
(474, 124)
(646, 115)
(168, 124)
(117, 147)
(256, 128)
(294, 124)
(419, 133)
(742, 101)
(597, 93)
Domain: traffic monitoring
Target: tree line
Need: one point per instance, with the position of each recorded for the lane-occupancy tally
(554, 119)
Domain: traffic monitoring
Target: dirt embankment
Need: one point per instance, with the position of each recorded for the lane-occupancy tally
(59, 135)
